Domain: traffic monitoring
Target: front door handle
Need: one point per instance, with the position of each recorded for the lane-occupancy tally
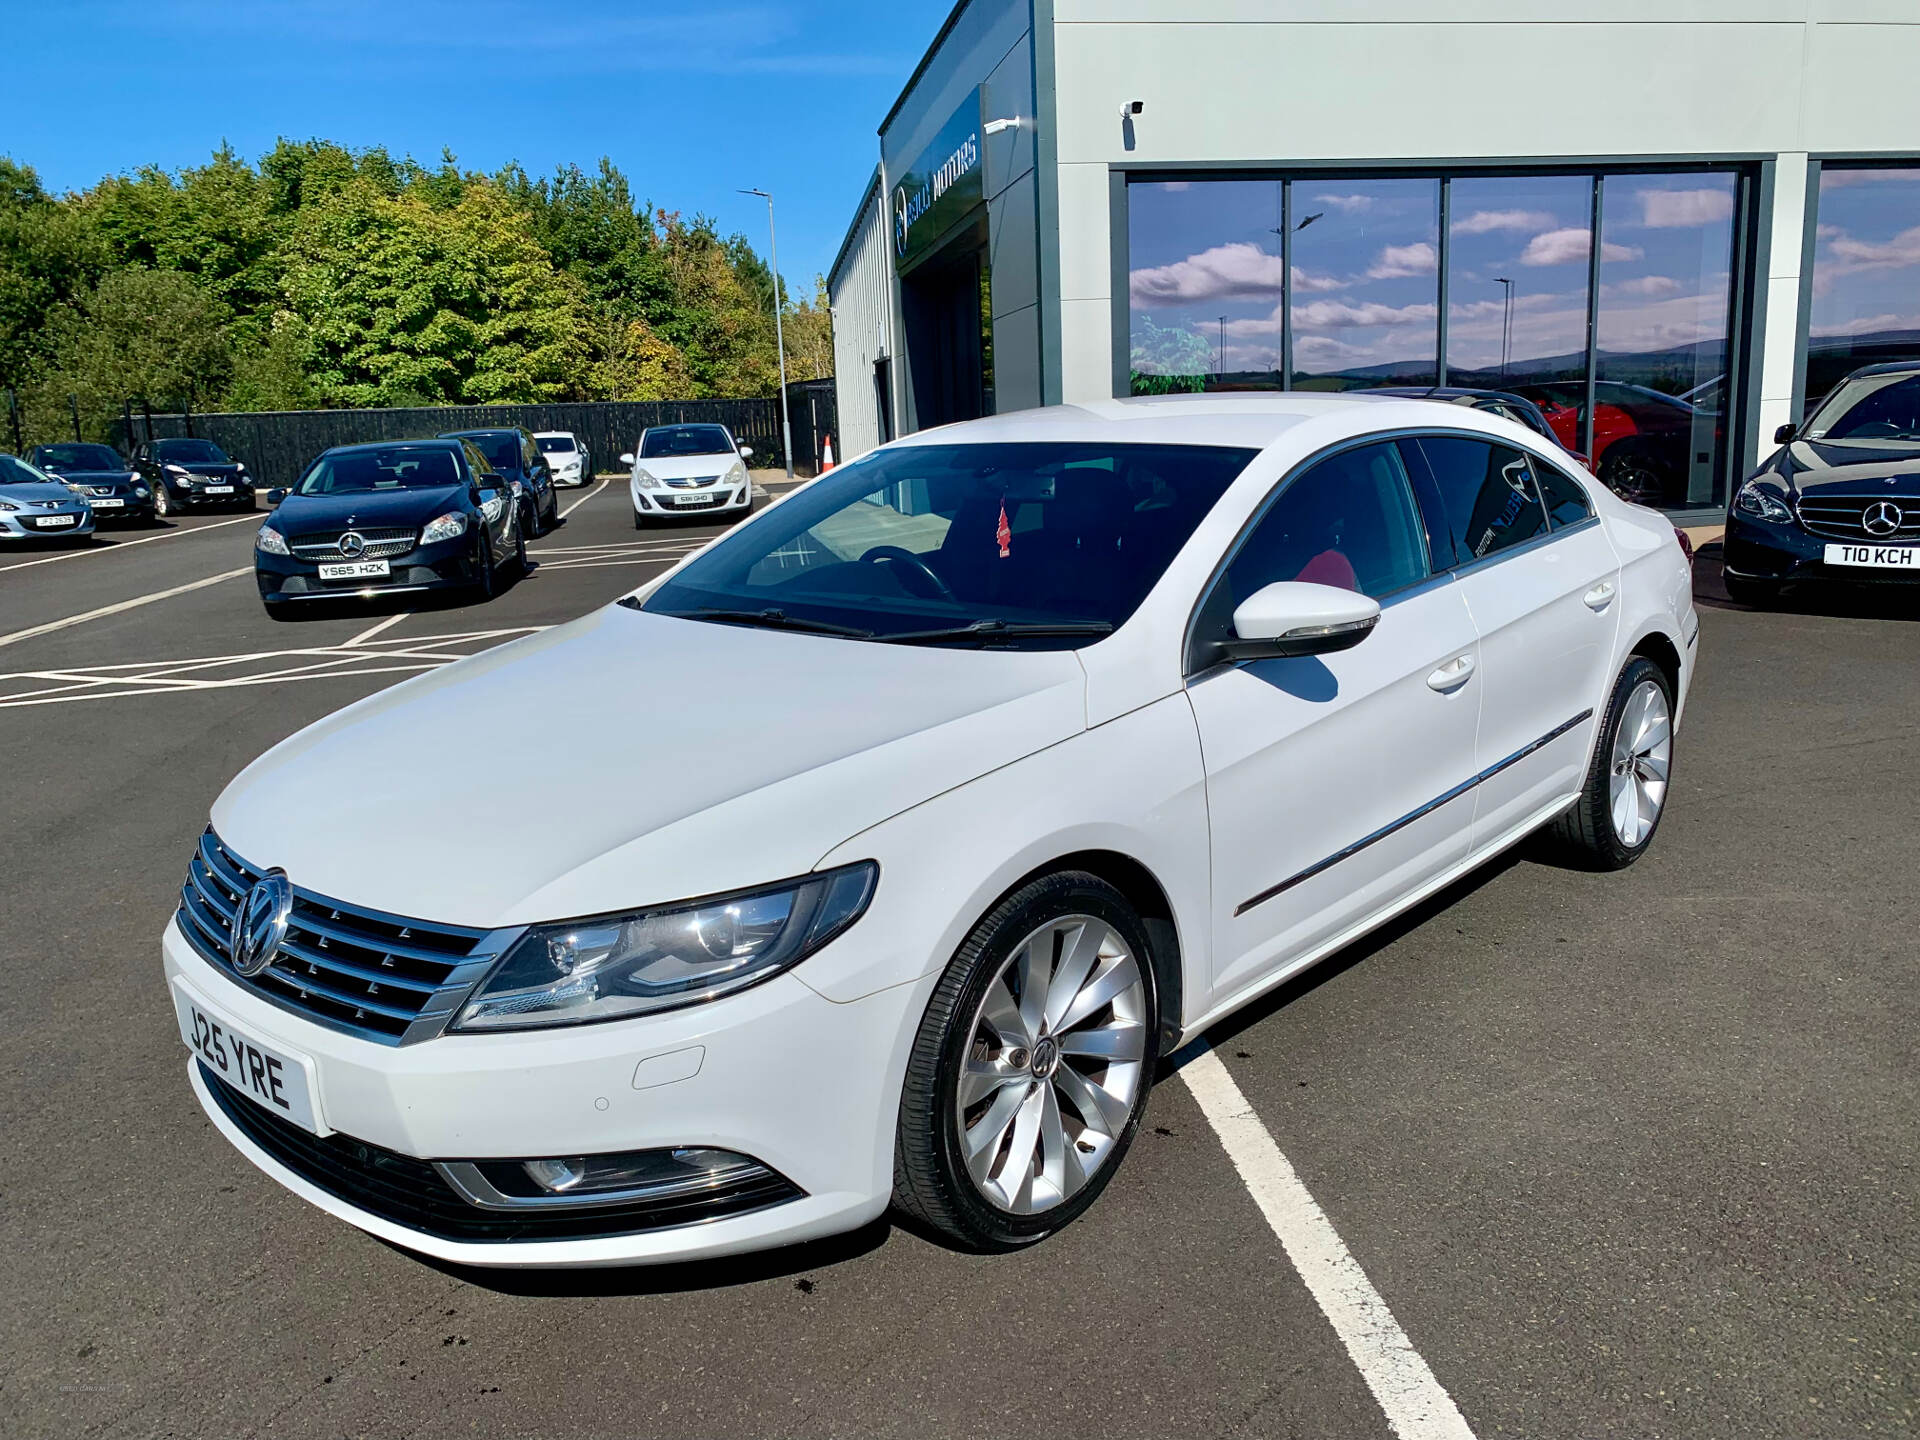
(1599, 597)
(1452, 675)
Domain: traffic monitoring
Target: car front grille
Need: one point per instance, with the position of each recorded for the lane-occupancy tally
(380, 544)
(691, 482)
(412, 1192)
(377, 976)
(1843, 517)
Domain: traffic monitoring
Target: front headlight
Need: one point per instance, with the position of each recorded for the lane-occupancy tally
(614, 966)
(179, 471)
(449, 526)
(1762, 503)
(7, 507)
(271, 541)
(645, 481)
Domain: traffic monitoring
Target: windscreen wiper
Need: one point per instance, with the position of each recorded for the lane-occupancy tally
(768, 619)
(988, 631)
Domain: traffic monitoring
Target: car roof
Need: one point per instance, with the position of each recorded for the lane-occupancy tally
(437, 442)
(554, 435)
(1888, 367)
(1254, 419)
(482, 432)
(1450, 392)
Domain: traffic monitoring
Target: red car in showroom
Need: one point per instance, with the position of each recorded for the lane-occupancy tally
(1643, 441)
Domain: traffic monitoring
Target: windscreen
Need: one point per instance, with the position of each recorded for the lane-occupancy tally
(356, 472)
(1871, 407)
(555, 444)
(81, 457)
(189, 452)
(667, 441)
(14, 471)
(939, 536)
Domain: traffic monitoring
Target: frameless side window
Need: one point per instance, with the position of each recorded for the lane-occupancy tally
(1486, 494)
(1349, 522)
(1567, 504)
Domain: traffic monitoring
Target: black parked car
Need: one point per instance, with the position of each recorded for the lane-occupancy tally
(1495, 402)
(514, 456)
(385, 518)
(1840, 500)
(192, 475)
(116, 491)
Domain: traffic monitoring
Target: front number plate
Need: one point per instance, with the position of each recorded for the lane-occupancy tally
(219, 489)
(56, 522)
(263, 1073)
(1878, 557)
(692, 499)
(99, 504)
(355, 570)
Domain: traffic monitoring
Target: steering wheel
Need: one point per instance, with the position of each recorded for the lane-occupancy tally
(934, 588)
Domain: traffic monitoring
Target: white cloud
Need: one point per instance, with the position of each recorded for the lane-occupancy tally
(1239, 271)
(1340, 314)
(1903, 249)
(1487, 222)
(1683, 209)
(1396, 261)
(1652, 286)
(1869, 325)
(1346, 204)
(1564, 247)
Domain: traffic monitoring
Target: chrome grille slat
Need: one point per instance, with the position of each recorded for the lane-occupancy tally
(378, 976)
(1841, 517)
(381, 544)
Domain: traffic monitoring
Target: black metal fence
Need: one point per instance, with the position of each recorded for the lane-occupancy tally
(277, 444)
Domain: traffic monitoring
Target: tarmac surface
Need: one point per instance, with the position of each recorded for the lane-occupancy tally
(1625, 1155)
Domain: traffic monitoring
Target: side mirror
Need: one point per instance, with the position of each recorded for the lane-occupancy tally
(1785, 433)
(1296, 617)
(626, 459)
(275, 496)
(746, 452)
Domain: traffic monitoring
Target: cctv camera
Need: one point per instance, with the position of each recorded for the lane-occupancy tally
(1133, 107)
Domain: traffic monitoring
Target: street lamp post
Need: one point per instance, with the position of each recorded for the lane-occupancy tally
(1506, 325)
(779, 334)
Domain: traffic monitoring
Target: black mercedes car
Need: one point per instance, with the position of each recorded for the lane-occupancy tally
(389, 517)
(116, 491)
(1840, 500)
(514, 455)
(192, 475)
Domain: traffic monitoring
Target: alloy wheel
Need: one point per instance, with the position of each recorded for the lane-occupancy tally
(1053, 1065)
(1642, 755)
(162, 505)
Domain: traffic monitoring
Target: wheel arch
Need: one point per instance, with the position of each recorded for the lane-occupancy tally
(1659, 648)
(1149, 898)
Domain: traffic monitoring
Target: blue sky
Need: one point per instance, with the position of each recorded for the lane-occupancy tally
(692, 100)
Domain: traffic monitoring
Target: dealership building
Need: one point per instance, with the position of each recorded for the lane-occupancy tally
(1670, 223)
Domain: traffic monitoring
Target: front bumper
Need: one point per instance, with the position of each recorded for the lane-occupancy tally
(188, 496)
(805, 1086)
(712, 498)
(445, 565)
(1788, 555)
(26, 524)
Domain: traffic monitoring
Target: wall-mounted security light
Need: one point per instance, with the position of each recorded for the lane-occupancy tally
(994, 127)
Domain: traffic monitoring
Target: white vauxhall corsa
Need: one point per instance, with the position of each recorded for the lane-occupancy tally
(1019, 751)
(688, 469)
(567, 456)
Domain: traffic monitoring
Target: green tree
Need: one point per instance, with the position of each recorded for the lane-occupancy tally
(48, 256)
(809, 330)
(140, 334)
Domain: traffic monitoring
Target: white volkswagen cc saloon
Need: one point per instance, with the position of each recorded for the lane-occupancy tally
(1019, 752)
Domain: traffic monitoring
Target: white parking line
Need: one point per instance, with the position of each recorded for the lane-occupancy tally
(1417, 1406)
(373, 630)
(15, 637)
(586, 497)
(120, 545)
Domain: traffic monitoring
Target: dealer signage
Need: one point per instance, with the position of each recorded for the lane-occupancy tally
(942, 185)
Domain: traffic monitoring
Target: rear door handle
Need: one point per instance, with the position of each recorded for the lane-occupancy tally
(1452, 675)
(1599, 597)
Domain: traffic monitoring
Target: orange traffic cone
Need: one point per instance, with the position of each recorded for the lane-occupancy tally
(826, 453)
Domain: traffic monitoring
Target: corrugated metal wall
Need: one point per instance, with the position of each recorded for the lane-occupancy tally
(861, 292)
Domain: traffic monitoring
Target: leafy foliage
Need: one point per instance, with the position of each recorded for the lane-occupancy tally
(324, 276)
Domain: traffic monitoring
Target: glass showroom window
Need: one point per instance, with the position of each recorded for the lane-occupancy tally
(1205, 285)
(1517, 263)
(1366, 266)
(1866, 274)
(1659, 404)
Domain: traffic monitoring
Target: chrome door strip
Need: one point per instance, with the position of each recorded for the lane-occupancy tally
(1412, 815)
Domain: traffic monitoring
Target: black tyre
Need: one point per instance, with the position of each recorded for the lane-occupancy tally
(1625, 795)
(1031, 1067)
(1756, 594)
(639, 520)
(520, 566)
(486, 582)
(162, 502)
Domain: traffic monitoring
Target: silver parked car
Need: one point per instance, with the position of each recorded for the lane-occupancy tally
(34, 505)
